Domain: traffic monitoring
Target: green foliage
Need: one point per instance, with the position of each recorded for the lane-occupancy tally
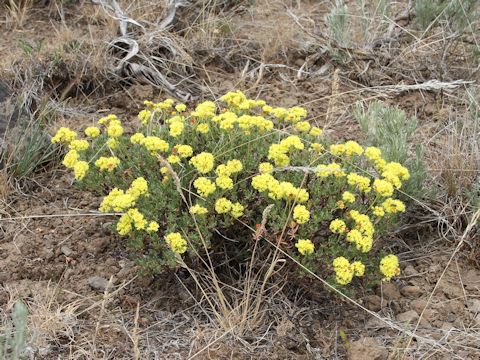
(13, 341)
(30, 149)
(391, 130)
(185, 177)
(458, 14)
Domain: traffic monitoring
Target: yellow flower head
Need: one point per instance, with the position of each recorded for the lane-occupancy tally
(343, 270)
(204, 186)
(224, 182)
(64, 135)
(358, 268)
(114, 129)
(198, 210)
(71, 159)
(173, 159)
(184, 151)
(389, 267)
(80, 169)
(145, 116)
(338, 226)
(152, 227)
(117, 200)
(316, 131)
(153, 144)
(176, 128)
(223, 206)
(112, 143)
(137, 138)
(237, 210)
(305, 246)
(92, 131)
(176, 242)
(393, 206)
(107, 163)
(300, 214)
(234, 166)
(348, 197)
(138, 187)
(181, 107)
(353, 148)
(303, 126)
(265, 168)
(383, 187)
(203, 128)
(203, 162)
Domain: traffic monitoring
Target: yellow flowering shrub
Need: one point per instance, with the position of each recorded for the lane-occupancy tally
(186, 180)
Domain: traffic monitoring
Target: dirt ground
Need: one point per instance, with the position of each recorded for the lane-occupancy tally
(85, 296)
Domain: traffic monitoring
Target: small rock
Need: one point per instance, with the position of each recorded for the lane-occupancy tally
(367, 348)
(390, 291)
(66, 250)
(97, 283)
(471, 279)
(410, 271)
(418, 305)
(374, 302)
(474, 306)
(411, 291)
(409, 316)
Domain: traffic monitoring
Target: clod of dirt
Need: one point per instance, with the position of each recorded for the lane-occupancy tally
(418, 305)
(97, 283)
(367, 348)
(474, 306)
(374, 302)
(411, 291)
(390, 291)
(66, 250)
(410, 271)
(409, 316)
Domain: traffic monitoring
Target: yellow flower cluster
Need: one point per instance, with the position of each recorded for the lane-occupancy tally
(362, 182)
(64, 135)
(279, 152)
(203, 162)
(393, 206)
(70, 159)
(92, 131)
(164, 105)
(107, 163)
(176, 242)
(183, 151)
(265, 168)
(132, 218)
(324, 171)
(383, 187)
(301, 214)
(198, 210)
(204, 186)
(305, 246)
(279, 190)
(204, 110)
(145, 116)
(152, 143)
(118, 200)
(344, 271)
(203, 128)
(223, 206)
(176, 128)
(224, 182)
(79, 145)
(80, 169)
(389, 267)
(363, 231)
(349, 148)
(338, 226)
(348, 197)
